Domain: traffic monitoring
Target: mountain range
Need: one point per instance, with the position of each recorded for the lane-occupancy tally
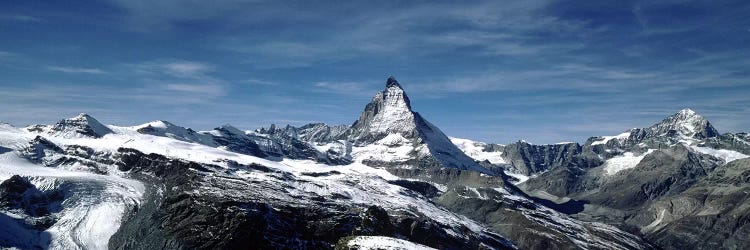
(390, 180)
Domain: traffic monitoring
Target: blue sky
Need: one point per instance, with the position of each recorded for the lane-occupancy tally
(496, 71)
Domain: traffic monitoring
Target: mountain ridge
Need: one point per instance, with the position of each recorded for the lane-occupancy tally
(390, 173)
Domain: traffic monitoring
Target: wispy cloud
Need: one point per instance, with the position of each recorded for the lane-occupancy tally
(187, 69)
(19, 18)
(259, 82)
(180, 78)
(200, 89)
(75, 70)
(173, 68)
(343, 87)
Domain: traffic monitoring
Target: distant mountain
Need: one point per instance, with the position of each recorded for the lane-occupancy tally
(82, 125)
(389, 178)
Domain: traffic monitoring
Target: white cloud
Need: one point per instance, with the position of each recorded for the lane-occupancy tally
(174, 68)
(187, 69)
(259, 82)
(74, 70)
(199, 89)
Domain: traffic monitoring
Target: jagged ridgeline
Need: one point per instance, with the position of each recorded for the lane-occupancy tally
(391, 178)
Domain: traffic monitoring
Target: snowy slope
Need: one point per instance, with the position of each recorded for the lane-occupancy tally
(92, 214)
(383, 243)
(102, 199)
(476, 150)
(627, 160)
(726, 155)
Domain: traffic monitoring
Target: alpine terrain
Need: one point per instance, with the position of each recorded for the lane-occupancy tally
(390, 180)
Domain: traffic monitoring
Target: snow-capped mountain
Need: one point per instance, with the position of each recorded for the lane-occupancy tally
(637, 173)
(391, 178)
(82, 125)
(388, 113)
(685, 125)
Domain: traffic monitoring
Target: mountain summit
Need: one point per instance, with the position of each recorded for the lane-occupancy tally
(389, 112)
(388, 120)
(83, 125)
(685, 123)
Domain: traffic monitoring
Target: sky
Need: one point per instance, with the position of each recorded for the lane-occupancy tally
(494, 71)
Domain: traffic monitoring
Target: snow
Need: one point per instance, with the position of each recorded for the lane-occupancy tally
(625, 161)
(167, 129)
(93, 214)
(71, 127)
(396, 115)
(475, 150)
(726, 155)
(521, 178)
(606, 139)
(156, 124)
(446, 152)
(90, 218)
(383, 243)
(385, 150)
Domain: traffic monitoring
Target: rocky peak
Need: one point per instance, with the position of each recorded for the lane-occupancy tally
(392, 82)
(389, 112)
(82, 125)
(394, 95)
(273, 130)
(685, 123)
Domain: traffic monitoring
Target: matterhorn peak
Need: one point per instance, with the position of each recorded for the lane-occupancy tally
(389, 112)
(391, 82)
(394, 94)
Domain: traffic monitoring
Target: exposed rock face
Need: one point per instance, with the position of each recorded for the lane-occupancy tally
(739, 142)
(661, 173)
(713, 213)
(236, 141)
(284, 142)
(18, 193)
(528, 159)
(320, 132)
(25, 212)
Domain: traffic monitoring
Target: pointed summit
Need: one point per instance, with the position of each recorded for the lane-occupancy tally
(389, 112)
(685, 123)
(83, 125)
(395, 95)
(391, 82)
(388, 121)
(687, 112)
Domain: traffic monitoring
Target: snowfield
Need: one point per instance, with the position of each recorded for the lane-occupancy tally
(627, 160)
(726, 155)
(606, 139)
(475, 149)
(383, 243)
